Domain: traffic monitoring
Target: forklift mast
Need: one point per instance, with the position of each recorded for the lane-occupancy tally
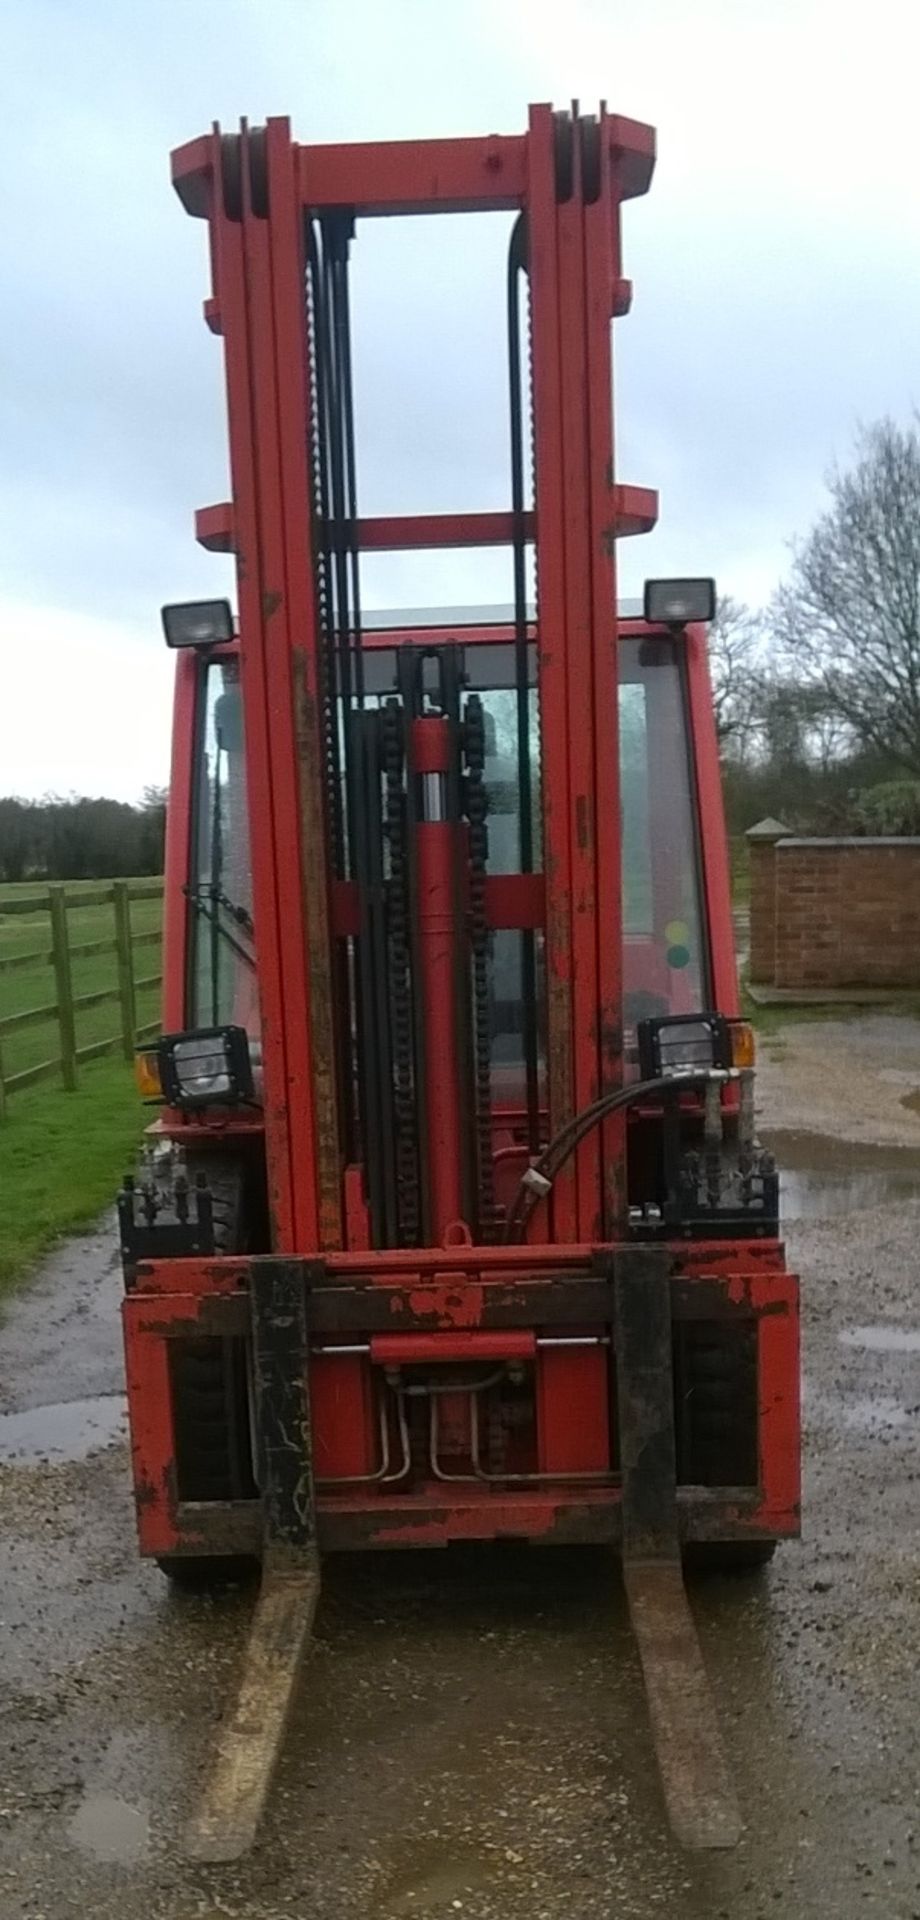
(403, 1090)
(449, 982)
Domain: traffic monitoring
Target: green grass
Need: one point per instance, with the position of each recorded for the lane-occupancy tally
(769, 1020)
(740, 870)
(62, 1154)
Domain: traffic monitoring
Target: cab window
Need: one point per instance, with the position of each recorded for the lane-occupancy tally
(222, 970)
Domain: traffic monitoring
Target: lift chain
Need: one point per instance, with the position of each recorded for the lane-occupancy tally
(400, 975)
(476, 802)
(317, 328)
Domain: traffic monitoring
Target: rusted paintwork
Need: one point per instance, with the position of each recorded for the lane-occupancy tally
(214, 1301)
(319, 950)
(450, 1304)
(592, 1518)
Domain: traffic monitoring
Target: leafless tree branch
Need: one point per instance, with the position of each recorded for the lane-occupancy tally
(848, 619)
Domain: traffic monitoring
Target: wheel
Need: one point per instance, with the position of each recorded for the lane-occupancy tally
(715, 1404)
(225, 1180)
(728, 1556)
(715, 1410)
(210, 1392)
(210, 1401)
(195, 1573)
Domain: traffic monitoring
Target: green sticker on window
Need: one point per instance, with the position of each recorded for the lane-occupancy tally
(678, 957)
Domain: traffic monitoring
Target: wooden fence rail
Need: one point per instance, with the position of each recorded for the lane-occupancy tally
(56, 903)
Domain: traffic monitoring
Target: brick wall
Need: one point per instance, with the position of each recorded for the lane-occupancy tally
(835, 913)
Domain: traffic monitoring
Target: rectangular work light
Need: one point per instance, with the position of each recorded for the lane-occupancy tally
(682, 1043)
(198, 623)
(673, 603)
(210, 1067)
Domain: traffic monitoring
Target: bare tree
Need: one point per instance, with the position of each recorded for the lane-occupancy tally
(794, 724)
(733, 648)
(848, 619)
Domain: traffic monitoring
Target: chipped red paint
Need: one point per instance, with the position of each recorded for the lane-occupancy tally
(562, 1518)
(451, 1305)
(152, 1448)
(225, 1274)
(574, 1421)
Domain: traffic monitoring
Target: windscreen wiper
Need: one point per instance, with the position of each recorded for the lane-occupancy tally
(208, 901)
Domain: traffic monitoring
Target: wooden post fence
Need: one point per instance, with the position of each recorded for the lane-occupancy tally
(125, 961)
(59, 955)
(63, 980)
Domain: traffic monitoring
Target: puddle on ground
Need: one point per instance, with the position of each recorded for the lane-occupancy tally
(823, 1179)
(70, 1430)
(106, 1826)
(822, 1196)
(882, 1339)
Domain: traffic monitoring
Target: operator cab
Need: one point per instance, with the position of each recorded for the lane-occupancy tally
(671, 962)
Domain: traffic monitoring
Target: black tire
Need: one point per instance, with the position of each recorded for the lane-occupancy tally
(715, 1404)
(716, 1420)
(210, 1397)
(728, 1556)
(211, 1419)
(226, 1180)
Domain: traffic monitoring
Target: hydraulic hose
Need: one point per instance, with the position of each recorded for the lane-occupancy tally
(535, 1183)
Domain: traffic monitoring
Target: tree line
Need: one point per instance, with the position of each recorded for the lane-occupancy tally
(817, 696)
(81, 839)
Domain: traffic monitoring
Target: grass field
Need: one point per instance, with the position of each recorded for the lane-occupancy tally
(22, 933)
(62, 1154)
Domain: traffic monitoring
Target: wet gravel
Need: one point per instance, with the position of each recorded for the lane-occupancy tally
(470, 1736)
(856, 1079)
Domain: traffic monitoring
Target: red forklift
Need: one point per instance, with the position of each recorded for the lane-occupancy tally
(453, 1224)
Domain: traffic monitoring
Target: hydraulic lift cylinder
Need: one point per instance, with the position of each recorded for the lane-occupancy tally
(437, 933)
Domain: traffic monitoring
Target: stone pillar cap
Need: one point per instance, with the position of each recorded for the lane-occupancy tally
(767, 829)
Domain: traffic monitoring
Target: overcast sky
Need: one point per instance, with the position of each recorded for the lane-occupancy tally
(776, 265)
